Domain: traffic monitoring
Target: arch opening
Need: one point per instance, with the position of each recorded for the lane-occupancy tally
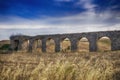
(65, 45)
(37, 45)
(25, 45)
(104, 44)
(50, 45)
(16, 44)
(83, 45)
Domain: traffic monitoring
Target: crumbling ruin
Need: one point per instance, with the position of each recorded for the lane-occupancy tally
(93, 37)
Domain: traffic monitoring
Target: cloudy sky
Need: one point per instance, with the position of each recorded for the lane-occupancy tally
(34, 17)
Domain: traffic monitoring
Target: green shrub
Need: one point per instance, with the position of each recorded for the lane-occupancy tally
(5, 47)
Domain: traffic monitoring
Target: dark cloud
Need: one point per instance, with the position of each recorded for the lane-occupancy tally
(37, 8)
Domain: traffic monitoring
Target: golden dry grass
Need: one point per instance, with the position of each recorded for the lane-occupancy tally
(60, 66)
(81, 65)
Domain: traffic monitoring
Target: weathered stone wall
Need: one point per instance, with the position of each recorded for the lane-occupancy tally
(92, 37)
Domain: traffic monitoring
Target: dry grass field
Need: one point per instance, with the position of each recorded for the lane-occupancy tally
(65, 65)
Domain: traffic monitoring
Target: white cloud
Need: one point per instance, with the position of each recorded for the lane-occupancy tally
(85, 18)
(6, 33)
(86, 4)
(24, 26)
(84, 22)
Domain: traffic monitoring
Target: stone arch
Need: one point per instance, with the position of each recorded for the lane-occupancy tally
(50, 45)
(25, 45)
(83, 44)
(16, 45)
(104, 43)
(37, 44)
(65, 45)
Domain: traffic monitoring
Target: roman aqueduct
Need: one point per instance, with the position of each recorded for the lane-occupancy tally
(18, 40)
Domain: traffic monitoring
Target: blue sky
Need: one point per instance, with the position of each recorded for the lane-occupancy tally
(34, 17)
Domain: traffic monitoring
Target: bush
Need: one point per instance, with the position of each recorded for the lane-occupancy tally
(5, 47)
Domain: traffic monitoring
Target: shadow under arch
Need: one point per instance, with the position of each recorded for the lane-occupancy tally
(37, 45)
(83, 45)
(104, 44)
(50, 45)
(65, 45)
(16, 45)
